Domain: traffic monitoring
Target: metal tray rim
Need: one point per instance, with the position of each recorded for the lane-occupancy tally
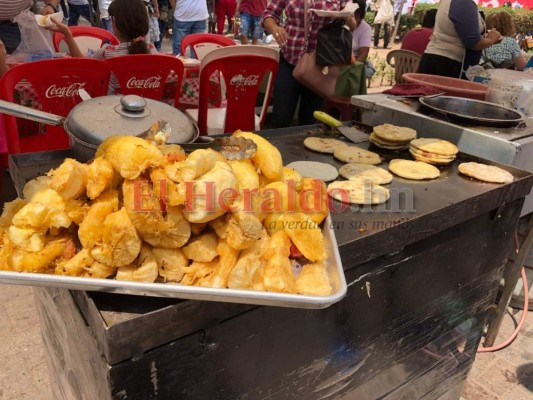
(195, 292)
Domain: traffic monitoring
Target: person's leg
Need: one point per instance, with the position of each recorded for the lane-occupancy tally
(246, 25)
(64, 8)
(179, 31)
(231, 7)
(377, 28)
(257, 31)
(162, 30)
(73, 14)
(10, 35)
(221, 16)
(107, 24)
(309, 103)
(85, 12)
(199, 26)
(386, 36)
(286, 95)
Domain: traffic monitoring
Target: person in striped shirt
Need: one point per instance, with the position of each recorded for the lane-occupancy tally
(9, 30)
(130, 24)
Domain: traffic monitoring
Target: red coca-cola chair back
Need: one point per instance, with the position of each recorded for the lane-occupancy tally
(202, 43)
(86, 31)
(148, 75)
(56, 83)
(243, 70)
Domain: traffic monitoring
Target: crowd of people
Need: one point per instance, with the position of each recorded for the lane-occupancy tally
(451, 38)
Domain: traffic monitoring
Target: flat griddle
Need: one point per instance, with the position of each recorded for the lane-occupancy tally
(366, 232)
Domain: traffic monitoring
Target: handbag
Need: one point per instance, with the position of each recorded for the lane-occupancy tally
(334, 45)
(321, 80)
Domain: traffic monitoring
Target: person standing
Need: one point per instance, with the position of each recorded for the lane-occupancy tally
(190, 16)
(77, 8)
(223, 9)
(288, 92)
(458, 38)
(251, 12)
(362, 35)
(384, 16)
(9, 30)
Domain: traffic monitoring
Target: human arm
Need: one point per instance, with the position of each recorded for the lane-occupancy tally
(465, 17)
(172, 3)
(271, 18)
(3, 57)
(156, 8)
(50, 7)
(73, 48)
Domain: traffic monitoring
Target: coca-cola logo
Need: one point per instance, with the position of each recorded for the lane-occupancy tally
(152, 82)
(240, 80)
(64, 91)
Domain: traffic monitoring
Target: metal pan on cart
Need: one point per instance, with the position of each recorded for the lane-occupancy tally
(473, 112)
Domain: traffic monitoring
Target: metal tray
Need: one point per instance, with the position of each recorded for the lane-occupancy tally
(24, 167)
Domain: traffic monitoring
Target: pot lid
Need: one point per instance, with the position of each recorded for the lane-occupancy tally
(93, 120)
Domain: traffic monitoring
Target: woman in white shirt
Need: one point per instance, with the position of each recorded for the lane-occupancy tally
(362, 36)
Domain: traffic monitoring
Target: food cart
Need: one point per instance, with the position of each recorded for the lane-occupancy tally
(422, 272)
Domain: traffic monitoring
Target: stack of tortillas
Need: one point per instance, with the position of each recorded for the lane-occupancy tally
(323, 145)
(433, 151)
(392, 137)
(486, 173)
(415, 170)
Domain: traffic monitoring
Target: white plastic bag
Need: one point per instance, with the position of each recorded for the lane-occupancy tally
(36, 42)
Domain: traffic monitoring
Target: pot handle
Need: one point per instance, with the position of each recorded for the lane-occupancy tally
(28, 113)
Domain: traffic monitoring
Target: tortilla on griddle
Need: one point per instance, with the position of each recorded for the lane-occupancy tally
(395, 134)
(356, 154)
(355, 171)
(485, 173)
(323, 145)
(358, 191)
(415, 170)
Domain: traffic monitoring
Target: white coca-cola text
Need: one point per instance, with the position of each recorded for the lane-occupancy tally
(239, 80)
(152, 82)
(64, 91)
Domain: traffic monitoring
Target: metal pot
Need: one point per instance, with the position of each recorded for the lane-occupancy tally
(93, 120)
(473, 112)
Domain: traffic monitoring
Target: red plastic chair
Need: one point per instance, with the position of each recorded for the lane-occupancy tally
(80, 32)
(146, 74)
(243, 69)
(203, 43)
(56, 82)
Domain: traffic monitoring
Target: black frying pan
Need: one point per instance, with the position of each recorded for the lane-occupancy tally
(473, 112)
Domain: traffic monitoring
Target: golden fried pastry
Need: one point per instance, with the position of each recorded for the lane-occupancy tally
(267, 157)
(246, 174)
(202, 248)
(69, 179)
(99, 177)
(243, 230)
(130, 155)
(277, 271)
(143, 269)
(313, 280)
(306, 235)
(171, 263)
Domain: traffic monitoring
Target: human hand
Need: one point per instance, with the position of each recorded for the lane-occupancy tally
(59, 27)
(494, 36)
(3, 52)
(47, 10)
(280, 35)
(157, 14)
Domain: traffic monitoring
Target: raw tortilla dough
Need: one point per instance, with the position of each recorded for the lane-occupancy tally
(315, 169)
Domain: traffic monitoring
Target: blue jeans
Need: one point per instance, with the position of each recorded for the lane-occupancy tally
(287, 92)
(250, 24)
(162, 31)
(10, 35)
(107, 24)
(75, 11)
(184, 28)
